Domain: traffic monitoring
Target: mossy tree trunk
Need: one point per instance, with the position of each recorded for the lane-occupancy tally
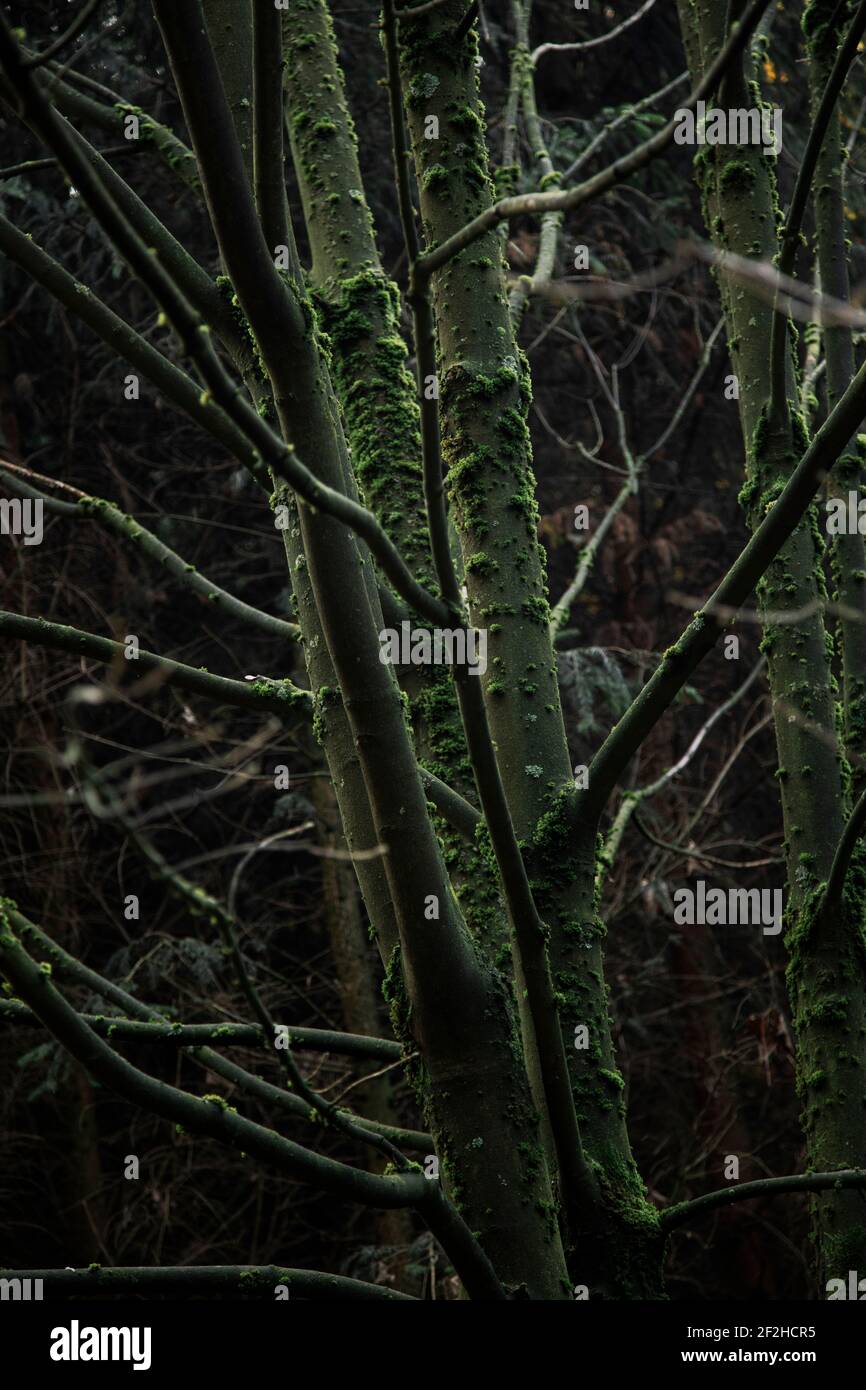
(484, 393)
(848, 554)
(359, 309)
(471, 1082)
(359, 997)
(826, 964)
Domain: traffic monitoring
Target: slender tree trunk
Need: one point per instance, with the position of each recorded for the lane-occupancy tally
(484, 391)
(848, 552)
(501, 1183)
(826, 976)
(359, 996)
(230, 28)
(359, 309)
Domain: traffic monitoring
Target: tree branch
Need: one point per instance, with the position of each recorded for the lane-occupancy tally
(107, 514)
(220, 1034)
(702, 633)
(682, 1214)
(71, 32)
(268, 158)
(385, 1049)
(176, 261)
(633, 799)
(548, 176)
(790, 236)
(203, 1281)
(276, 695)
(621, 169)
(622, 119)
(109, 115)
(194, 335)
(179, 389)
(582, 47)
(458, 812)
(854, 826)
(215, 1119)
(204, 903)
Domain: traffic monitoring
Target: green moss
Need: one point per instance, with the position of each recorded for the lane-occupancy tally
(360, 314)
(818, 22)
(434, 178)
(323, 699)
(481, 564)
(400, 1013)
(421, 88)
(506, 180)
(737, 176)
(536, 609)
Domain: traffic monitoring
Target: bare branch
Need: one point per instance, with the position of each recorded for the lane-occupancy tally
(683, 1213)
(72, 31)
(854, 826)
(173, 1034)
(107, 514)
(586, 44)
(198, 1281)
(276, 695)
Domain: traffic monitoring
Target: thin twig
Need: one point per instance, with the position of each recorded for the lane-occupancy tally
(586, 44)
(70, 33)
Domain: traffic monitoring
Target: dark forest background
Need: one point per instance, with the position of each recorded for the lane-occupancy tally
(700, 1017)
